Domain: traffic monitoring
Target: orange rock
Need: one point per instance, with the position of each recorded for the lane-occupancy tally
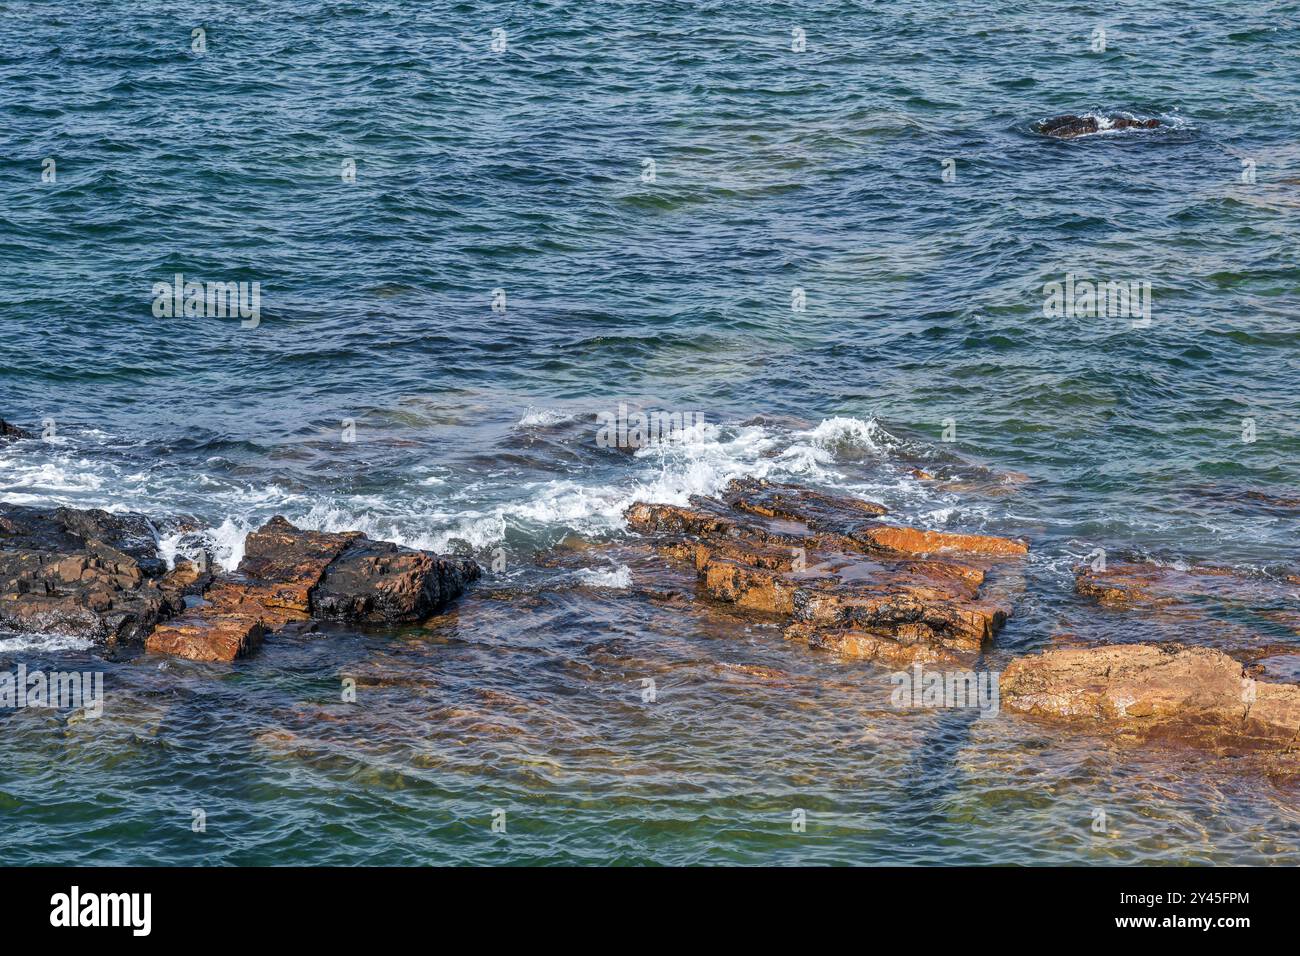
(1171, 691)
(843, 580)
(214, 638)
(912, 541)
(230, 624)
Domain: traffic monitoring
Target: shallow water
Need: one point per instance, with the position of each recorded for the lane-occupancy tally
(475, 431)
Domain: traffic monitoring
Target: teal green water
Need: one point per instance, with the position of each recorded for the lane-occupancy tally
(524, 170)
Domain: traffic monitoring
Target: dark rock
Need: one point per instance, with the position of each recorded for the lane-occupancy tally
(85, 573)
(378, 582)
(10, 432)
(1069, 126)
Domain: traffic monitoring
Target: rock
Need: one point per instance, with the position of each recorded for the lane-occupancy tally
(912, 541)
(289, 576)
(290, 562)
(1124, 584)
(1069, 126)
(1191, 694)
(186, 578)
(818, 511)
(223, 635)
(85, 573)
(1248, 500)
(842, 579)
(378, 582)
(1118, 585)
(11, 432)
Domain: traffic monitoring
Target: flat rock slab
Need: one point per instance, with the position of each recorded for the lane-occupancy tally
(224, 629)
(290, 577)
(841, 578)
(1192, 694)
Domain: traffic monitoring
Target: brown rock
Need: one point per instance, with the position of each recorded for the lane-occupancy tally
(816, 510)
(290, 561)
(842, 580)
(289, 576)
(214, 638)
(231, 621)
(1131, 584)
(874, 647)
(1193, 694)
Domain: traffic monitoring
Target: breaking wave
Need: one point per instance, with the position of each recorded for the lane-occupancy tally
(483, 514)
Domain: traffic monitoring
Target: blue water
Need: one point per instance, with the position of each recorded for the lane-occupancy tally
(523, 170)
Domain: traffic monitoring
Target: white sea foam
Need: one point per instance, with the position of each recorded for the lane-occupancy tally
(535, 417)
(53, 476)
(43, 642)
(697, 460)
(225, 543)
(616, 577)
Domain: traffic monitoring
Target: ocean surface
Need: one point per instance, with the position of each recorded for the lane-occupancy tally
(639, 188)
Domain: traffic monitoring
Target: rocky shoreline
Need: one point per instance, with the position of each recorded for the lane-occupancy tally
(836, 573)
(98, 575)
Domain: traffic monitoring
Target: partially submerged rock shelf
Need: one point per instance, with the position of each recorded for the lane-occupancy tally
(838, 575)
(834, 572)
(1193, 695)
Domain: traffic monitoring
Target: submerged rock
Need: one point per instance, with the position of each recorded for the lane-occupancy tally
(290, 577)
(1124, 584)
(10, 432)
(1070, 126)
(1192, 694)
(841, 578)
(91, 574)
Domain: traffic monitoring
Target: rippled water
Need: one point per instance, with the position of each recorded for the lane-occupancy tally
(523, 171)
